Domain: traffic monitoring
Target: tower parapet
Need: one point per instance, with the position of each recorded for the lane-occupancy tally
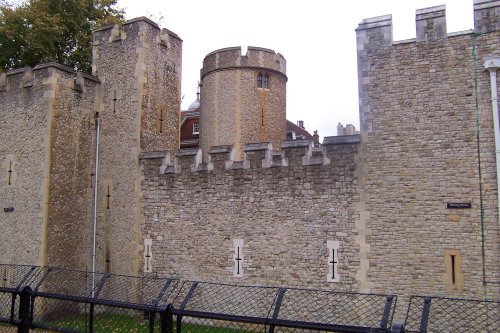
(431, 23)
(486, 15)
(243, 98)
(231, 57)
(375, 42)
(374, 30)
(293, 154)
(27, 77)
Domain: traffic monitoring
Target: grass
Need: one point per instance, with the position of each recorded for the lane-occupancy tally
(116, 323)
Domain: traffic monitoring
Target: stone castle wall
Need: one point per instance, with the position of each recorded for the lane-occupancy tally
(139, 112)
(417, 157)
(45, 141)
(72, 152)
(379, 200)
(235, 110)
(284, 208)
(48, 148)
(420, 152)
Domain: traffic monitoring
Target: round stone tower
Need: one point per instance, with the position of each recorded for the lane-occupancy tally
(243, 98)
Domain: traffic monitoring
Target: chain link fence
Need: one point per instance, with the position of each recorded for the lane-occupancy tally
(13, 279)
(450, 315)
(46, 299)
(208, 307)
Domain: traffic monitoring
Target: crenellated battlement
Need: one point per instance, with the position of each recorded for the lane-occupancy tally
(430, 24)
(116, 32)
(256, 156)
(127, 37)
(232, 57)
(28, 77)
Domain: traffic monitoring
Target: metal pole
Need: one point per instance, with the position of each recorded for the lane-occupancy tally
(94, 226)
(167, 320)
(24, 311)
(492, 64)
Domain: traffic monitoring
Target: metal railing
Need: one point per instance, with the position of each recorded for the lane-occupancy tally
(62, 300)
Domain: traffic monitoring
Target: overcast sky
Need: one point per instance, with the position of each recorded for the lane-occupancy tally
(316, 37)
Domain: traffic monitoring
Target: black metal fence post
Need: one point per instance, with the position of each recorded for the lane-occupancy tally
(151, 320)
(425, 315)
(166, 320)
(91, 316)
(398, 328)
(279, 299)
(24, 311)
(387, 311)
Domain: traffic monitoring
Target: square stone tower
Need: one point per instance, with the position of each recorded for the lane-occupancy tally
(139, 66)
(429, 155)
(46, 140)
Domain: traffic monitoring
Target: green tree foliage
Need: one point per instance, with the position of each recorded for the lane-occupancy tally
(37, 31)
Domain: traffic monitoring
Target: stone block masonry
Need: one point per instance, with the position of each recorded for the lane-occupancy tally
(47, 148)
(408, 206)
(140, 68)
(424, 143)
(284, 215)
(243, 98)
(46, 123)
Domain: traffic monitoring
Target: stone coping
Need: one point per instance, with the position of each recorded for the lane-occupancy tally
(258, 146)
(430, 12)
(188, 152)
(152, 155)
(139, 19)
(53, 65)
(342, 139)
(483, 4)
(375, 22)
(249, 48)
(220, 149)
(296, 144)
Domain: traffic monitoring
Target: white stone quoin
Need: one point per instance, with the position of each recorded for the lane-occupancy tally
(238, 257)
(333, 261)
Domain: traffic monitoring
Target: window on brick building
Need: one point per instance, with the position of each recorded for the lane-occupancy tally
(259, 80)
(196, 128)
(266, 81)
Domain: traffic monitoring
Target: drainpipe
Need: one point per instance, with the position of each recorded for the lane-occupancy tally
(492, 64)
(94, 226)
